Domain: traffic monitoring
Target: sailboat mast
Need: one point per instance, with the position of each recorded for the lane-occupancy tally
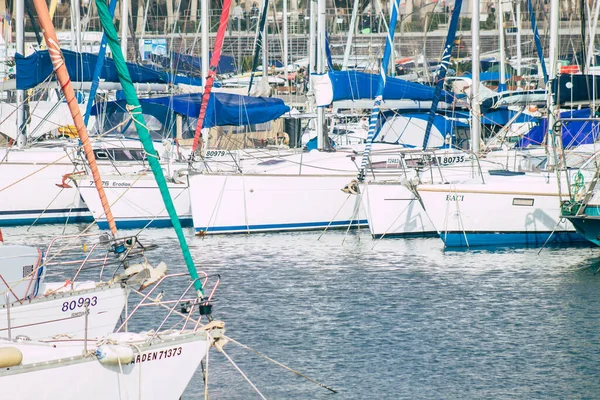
(351, 30)
(77, 23)
(592, 42)
(444, 65)
(501, 44)
(389, 47)
(285, 43)
(519, 24)
(134, 107)
(475, 109)
(321, 32)
(205, 39)
(552, 72)
(265, 46)
(212, 74)
(62, 75)
(98, 69)
(124, 25)
(20, 43)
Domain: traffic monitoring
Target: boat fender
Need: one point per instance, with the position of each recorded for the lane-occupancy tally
(10, 357)
(112, 354)
(351, 188)
(148, 275)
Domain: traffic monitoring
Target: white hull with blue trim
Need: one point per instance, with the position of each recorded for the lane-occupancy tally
(135, 201)
(36, 183)
(32, 189)
(518, 210)
(234, 203)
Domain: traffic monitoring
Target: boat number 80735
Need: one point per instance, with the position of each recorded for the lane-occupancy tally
(450, 160)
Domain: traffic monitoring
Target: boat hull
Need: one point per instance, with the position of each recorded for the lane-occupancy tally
(227, 203)
(587, 224)
(135, 201)
(159, 371)
(394, 211)
(63, 313)
(506, 210)
(32, 190)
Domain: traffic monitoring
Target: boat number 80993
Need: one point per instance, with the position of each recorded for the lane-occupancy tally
(80, 302)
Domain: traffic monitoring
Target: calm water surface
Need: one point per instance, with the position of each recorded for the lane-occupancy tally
(393, 319)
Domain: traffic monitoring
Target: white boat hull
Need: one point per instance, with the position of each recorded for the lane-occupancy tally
(393, 210)
(160, 371)
(30, 190)
(506, 210)
(135, 201)
(63, 313)
(228, 203)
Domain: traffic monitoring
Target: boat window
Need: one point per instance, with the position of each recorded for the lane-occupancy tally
(101, 155)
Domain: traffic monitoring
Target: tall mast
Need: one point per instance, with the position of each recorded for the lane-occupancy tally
(351, 30)
(590, 51)
(502, 81)
(124, 25)
(98, 69)
(62, 75)
(205, 51)
(444, 65)
(285, 42)
(552, 72)
(389, 47)
(77, 24)
(519, 24)
(475, 110)
(140, 125)
(265, 46)
(214, 63)
(20, 43)
(321, 32)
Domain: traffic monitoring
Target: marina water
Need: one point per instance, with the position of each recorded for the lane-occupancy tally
(391, 319)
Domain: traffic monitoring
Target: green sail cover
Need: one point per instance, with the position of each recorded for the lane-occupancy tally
(140, 125)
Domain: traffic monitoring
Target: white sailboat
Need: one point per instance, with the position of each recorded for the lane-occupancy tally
(150, 364)
(77, 287)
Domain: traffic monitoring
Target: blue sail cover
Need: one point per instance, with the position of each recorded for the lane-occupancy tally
(223, 108)
(35, 69)
(354, 85)
(574, 133)
(191, 65)
(569, 88)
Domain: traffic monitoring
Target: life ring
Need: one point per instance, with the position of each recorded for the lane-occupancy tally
(578, 183)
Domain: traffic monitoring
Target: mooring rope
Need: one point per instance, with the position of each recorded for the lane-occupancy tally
(220, 348)
(281, 365)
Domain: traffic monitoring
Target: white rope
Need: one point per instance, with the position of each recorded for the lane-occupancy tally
(242, 373)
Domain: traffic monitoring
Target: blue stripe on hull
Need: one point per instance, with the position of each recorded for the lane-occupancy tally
(457, 239)
(280, 227)
(25, 218)
(141, 223)
(407, 235)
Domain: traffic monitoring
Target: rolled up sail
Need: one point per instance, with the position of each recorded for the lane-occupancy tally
(35, 69)
(355, 85)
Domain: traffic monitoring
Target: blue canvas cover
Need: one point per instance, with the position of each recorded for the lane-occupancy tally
(574, 133)
(354, 85)
(186, 64)
(223, 108)
(34, 69)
